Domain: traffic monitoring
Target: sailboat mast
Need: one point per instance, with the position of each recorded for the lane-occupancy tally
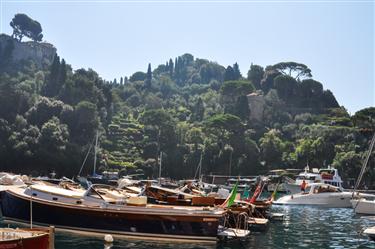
(365, 164)
(200, 167)
(96, 151)
(161, 157)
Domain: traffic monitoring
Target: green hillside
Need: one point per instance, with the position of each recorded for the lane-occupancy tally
(242, 122)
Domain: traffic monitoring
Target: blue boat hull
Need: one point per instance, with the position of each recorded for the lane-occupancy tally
(146, 224)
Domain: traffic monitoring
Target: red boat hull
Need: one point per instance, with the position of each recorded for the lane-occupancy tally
(35, 242)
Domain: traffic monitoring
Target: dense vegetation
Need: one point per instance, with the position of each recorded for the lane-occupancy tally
(185, 110)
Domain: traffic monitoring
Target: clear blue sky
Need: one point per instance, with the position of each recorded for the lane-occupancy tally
(335, 39)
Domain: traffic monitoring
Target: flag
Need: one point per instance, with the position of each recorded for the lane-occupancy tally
(231, 198)
(257, 192)
(246, 193)
(273, 196)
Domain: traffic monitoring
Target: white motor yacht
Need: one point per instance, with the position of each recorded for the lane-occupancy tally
(318, 194)
(328, 176)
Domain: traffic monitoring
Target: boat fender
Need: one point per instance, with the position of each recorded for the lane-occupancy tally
(108, 238)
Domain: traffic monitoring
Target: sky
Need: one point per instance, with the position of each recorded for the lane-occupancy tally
(119, 37)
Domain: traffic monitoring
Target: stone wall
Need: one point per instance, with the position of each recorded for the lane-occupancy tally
(41, 53)
(256, 105)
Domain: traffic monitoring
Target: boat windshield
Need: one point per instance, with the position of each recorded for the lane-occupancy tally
(309, 178)
(326, 189)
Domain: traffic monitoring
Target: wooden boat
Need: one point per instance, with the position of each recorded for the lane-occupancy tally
(187, 196)
(258, 224)
(144, 220)
(37, 238)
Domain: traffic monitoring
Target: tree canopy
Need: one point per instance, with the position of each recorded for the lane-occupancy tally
(23, 25)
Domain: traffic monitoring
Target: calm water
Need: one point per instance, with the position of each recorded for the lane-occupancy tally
(303, 227)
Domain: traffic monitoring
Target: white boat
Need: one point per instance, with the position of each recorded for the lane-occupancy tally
(274, 180)
(370, 232)
(318, 194)
(328, 176)
(363, 206)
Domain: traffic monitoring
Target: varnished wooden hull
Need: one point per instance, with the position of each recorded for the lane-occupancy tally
(36, 241)
(132, 222)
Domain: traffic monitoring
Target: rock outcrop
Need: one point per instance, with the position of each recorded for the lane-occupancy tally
(256, 105)
(14, 51)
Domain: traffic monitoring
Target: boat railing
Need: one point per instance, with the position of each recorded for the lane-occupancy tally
(242, 221)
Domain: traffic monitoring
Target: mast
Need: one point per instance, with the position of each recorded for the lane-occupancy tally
(96, 151)
(364, 164)
(200, 167)
(160, 161)
(230, 162)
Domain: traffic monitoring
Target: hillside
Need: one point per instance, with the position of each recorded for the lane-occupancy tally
(245, 123)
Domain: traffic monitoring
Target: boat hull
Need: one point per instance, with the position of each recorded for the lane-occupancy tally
(24, 239)
(363, 206)
(329, 200)
(130, 222)
(370, 232)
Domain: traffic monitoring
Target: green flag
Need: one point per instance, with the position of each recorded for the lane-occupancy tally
(232, 196)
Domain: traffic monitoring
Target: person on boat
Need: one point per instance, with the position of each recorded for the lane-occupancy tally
(303, 186)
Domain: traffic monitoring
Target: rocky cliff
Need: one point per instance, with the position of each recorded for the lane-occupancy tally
(13, 51)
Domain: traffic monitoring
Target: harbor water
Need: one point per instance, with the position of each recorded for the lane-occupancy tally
(303, 227)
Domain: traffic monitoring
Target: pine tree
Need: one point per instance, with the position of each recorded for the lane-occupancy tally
(121, 81)
(175, 68)
(51, 87)
(229, 74)
(237, 73)
(148, 77)
(171, 67)
(242, 108)
(62, 72)
(198, 110)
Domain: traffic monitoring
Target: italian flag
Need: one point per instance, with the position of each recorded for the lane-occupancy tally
(231, 198)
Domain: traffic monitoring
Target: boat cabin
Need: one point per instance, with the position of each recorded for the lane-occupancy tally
(319, 188)
(328, 176)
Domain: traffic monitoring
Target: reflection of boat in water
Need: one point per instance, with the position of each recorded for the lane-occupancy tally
(26, 238)
(318, 194)
(328, 176)
(95, 212)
